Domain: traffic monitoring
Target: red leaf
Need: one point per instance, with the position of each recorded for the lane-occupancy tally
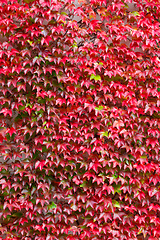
(11, 131)
(152, 141)
(40, 164)
(6, 111)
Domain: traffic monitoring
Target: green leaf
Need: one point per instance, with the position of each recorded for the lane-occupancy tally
(105, 134)
(95, 77)
(63, 13)
(52, 205)
(116, 188)
(135, 13)
(17, 214)
(158, 89)
(83, 184)
(125, 5)
(140, 230)
(92, 87)
(82, 227)
(36, 154)
(30, 42)
(115, 176)
(143, 156)
(33, 201)
(44, 149)
(109, 124)
(21, 107)
(28, 105)
(75, 44)
(115, 204)
(99, 108)
(29, 1)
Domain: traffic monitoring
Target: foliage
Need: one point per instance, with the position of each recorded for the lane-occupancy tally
(80, 119)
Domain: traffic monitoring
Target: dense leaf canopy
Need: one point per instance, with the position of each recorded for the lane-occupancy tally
(80, 119)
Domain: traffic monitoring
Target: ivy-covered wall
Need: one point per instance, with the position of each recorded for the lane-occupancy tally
(79, 118)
